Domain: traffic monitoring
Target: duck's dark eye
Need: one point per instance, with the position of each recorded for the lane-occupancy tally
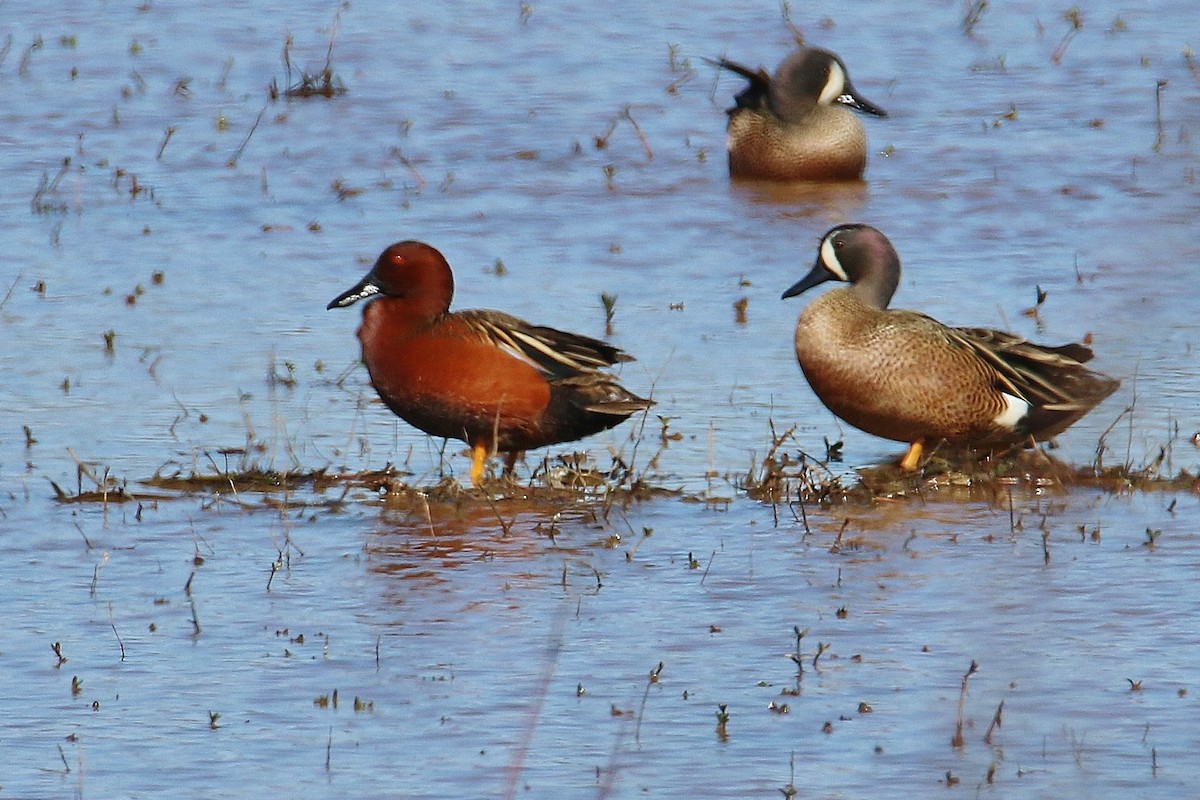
(838, 244)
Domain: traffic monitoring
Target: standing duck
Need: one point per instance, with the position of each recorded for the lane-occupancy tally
(794, 125)
(494, 381)
(904, 376)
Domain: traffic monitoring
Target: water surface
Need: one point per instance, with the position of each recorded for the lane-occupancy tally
(495, 659)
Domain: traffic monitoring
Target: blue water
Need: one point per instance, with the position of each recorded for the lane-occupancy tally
(475, 129)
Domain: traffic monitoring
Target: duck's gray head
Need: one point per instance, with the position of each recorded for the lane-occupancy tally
(859, 255)
(812, 77)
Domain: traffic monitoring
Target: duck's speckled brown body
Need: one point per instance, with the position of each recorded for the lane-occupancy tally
(907, 377)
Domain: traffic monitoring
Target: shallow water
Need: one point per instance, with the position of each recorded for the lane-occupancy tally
(469, 645)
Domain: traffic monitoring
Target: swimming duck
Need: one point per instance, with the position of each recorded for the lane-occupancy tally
(794, 126)
(907, 377)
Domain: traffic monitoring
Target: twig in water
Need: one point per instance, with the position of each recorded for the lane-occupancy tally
(836, 547)
(86, 540)
(798, 656)
(1158, 140)
(641, 136)
(707, 567)
(803, 510)
(96, 574)
(1072, 16)
(996, 723)
(601, 141)
(790, 790)
(1129, 433)
(276, 565)
(169, 133)
(11, 287)
(972, 13)
(416, 173)
(1101, 443)
(635, 481)
(337, 22)
(505, 527)
(958, 741)
(113, 625)
(187, 589)
(652, 678)
(821, 648)
(232, 162)
(27, 56)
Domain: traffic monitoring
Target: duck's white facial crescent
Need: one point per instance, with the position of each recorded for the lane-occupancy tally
(830, 260)
(835, 85)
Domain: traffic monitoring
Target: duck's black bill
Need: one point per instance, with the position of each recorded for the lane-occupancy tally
(815, 277)
(361, 290)
(859, 103)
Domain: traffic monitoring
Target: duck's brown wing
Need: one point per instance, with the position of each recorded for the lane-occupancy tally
(559, 354)
(756, 95)
(1053, 380)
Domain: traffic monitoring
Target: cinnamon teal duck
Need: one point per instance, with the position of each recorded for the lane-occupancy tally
(904, 376)
(494, 381)
(795, 125)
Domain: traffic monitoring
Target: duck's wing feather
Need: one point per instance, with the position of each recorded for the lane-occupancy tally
(1051, 378)
(599, 393)
(756, 95)
(556, 353)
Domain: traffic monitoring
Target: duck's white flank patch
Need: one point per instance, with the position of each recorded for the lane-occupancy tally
(834, 85)
(1014, 411)
(830, 260)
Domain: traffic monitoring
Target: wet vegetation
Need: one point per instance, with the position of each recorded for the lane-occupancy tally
(566, 479)
(785, 475)
(309, 84)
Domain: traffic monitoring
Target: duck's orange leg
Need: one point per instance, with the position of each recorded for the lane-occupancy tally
(913, 456)
(479, 453)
